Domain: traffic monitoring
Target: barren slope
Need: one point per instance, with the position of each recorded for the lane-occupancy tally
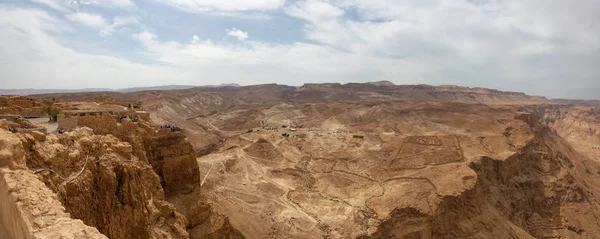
(385, 161)
(429, 169)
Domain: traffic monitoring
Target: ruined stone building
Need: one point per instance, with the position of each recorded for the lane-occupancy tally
(101, 121)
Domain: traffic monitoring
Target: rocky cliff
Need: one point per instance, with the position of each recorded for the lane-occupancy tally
(100, 179)
(543, 190)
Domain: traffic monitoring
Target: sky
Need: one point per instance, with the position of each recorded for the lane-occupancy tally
(540, 47)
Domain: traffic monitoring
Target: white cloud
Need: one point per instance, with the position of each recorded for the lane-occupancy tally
(110, 3)
(54, 4)
(240, 35)
(118, 23)
(259, 62)
(195, 39)
(538, 47)
(224, 5)
(69, 5)
(469, 27)
(251, 16)
(456, 30)
(314, 11)
(26, 44)
(90, 20)
(99, 22)
(29, 45)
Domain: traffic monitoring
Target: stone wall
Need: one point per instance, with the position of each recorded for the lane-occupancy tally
(142, 115)
(101, 124)
(24, 103)
(30, 210)
(4, 101)
(23, 106)
(67, 122)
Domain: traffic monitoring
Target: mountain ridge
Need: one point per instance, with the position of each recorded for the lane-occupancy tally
(34, 91)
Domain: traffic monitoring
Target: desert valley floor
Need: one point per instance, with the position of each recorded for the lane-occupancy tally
(371, 160)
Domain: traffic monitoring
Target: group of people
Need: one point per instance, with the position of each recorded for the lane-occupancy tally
(173, 128)
(134, 119)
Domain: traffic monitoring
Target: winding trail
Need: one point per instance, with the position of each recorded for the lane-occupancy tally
(66, 180)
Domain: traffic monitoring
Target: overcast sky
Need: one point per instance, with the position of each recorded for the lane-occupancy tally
(545, 47)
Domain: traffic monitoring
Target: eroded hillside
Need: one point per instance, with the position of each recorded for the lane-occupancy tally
(367, 161)
(121, 175)
(395, 169)
(579, 125)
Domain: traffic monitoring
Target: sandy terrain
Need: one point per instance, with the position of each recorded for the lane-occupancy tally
(342, 174)
(50, 126)
(370, 161)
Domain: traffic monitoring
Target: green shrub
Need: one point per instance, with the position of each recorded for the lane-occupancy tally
(52, 112)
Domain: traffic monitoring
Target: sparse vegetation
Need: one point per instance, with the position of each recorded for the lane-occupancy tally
(52, 112)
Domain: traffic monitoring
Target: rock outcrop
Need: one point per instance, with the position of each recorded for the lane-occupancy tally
(364, 160)
(29, 209)
(114, 191)
(149, 188)
(538, 192)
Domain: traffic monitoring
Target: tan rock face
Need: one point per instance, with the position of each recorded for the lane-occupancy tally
(120, 196)
(369, 160)
(172, 157)
(117, 187)
(130, 196)
(37, 135)
(423, 170)
(124, 149)
(12, 154)
(100, 180)
(29, 209)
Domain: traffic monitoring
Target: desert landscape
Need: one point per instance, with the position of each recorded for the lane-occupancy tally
(299, 119)
(357, 160)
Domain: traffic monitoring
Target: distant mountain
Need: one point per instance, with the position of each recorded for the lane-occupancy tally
(590, 103)
(124, 90)
(590, 93)
(48, 91)
(162, 87)
(171, 87)
(266, 93)
(382, 83)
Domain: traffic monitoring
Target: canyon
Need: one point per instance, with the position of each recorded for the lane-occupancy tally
(358, 160)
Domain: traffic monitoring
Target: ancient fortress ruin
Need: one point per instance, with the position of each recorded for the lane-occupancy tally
(22, 106)
(103, 121)
(107, 172)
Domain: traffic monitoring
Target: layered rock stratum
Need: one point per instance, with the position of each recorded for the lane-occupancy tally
(372, 160)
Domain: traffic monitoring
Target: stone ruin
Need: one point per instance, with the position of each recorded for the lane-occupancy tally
(106, 176)
(29, 209)
(22, 106)
(102, 121)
